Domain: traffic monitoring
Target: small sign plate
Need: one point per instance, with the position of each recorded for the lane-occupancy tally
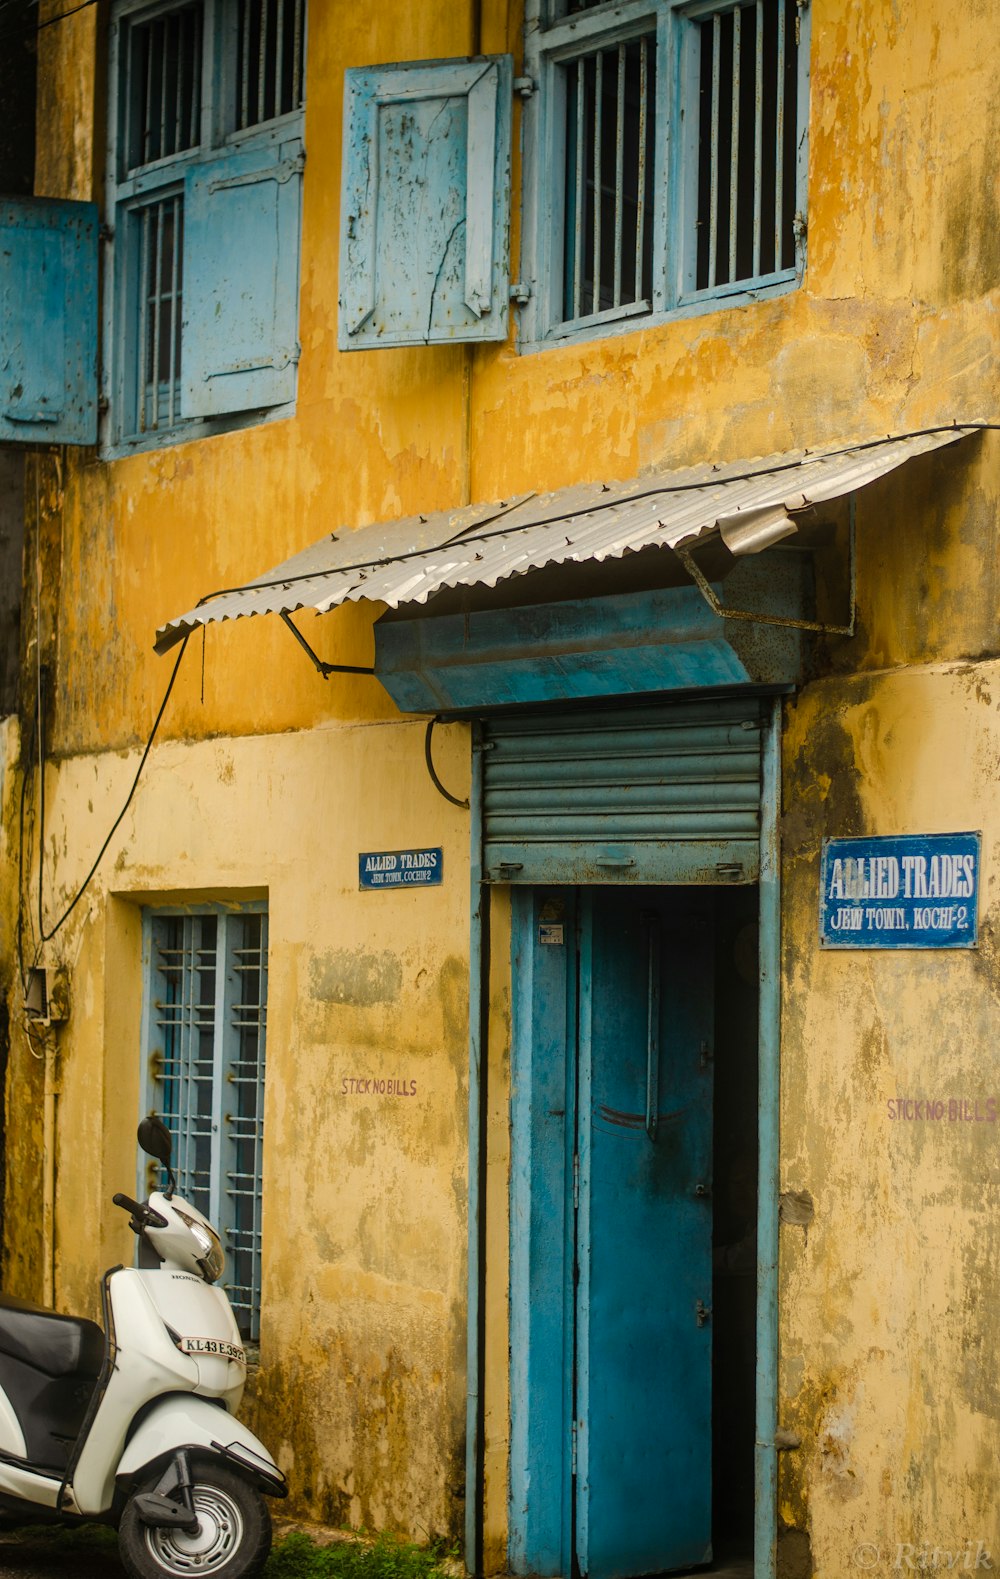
(551, 932)
(400, 868)
(912, 891)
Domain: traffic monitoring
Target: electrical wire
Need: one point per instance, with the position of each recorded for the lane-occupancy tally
(25, 775)
(24, 6)
(19, 29)
(39, 712)
(52, 20)
(428, 758)
(48, 935)
(28, 1028)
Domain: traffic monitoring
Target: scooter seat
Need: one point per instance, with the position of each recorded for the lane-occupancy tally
(57, 1345)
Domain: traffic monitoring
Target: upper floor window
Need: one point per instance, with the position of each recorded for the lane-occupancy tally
(665, 156)
(664, 167)
(205, 167)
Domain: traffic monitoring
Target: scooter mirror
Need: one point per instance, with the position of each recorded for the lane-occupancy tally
(154, 1138)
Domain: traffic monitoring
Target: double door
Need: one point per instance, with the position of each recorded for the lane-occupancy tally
(611, 1231)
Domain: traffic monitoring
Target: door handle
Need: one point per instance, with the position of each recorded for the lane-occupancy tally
(652, 921)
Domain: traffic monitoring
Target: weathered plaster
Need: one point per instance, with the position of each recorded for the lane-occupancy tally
(266, 781)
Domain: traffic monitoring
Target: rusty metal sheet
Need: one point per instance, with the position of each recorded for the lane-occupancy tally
(406, 561)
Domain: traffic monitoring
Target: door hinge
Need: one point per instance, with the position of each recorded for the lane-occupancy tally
(524, 87)
(576, 1180)
(572, 1448)
(520, 293)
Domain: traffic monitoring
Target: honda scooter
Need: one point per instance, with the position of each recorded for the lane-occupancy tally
(133, 1426)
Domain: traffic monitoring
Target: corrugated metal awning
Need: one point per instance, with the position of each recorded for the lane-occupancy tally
(750, 503)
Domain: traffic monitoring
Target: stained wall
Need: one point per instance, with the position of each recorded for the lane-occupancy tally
(266, 781)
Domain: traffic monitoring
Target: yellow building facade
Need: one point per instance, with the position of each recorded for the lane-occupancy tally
(398, 1323)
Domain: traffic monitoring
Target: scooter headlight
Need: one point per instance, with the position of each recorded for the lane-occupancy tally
(213, 1257)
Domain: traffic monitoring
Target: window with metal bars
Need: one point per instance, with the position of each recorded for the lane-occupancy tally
(269, 60)
(196, 82)
(162, 103)
(609, 95)
(747, 136)
(665, 157)
(205, 1053)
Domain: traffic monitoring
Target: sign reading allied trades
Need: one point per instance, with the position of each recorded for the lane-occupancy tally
(914, 891)
(400, 868)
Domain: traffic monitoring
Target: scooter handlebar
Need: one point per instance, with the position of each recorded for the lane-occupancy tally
(142, 1212)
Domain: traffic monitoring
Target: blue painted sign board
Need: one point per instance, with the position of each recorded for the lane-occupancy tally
(400, 868)
(913, 891)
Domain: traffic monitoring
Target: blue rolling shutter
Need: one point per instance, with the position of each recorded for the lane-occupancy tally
(642, 794)
(425, 206)
(239, 346)
(48, 321)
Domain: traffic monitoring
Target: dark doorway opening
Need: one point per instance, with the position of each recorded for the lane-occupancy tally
(634, 1211)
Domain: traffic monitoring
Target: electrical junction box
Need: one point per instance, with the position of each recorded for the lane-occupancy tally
(46, 996)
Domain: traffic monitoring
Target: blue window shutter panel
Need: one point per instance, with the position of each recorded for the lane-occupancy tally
(48, 321)
(239, 334)
(425, 203)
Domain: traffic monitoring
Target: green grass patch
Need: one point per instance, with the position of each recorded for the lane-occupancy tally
(72, 1537)
(295, 1556)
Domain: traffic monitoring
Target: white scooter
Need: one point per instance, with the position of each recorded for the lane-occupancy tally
(133, 1426)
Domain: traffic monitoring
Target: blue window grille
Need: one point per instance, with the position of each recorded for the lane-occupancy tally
(206, 1033)
(747, 135)
(610, 96)
(160, 227)
(269, 60)
(665, 158)
(193, 81)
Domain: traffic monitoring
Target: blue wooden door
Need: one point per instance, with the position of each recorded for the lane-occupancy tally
(611, 1225)
(643, 1231)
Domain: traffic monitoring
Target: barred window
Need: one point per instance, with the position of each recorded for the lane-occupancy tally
(200, 84)
(747, 134)
(665, 150)
(162, 100)
(206, 1030)
(610, 98)
(268, 60)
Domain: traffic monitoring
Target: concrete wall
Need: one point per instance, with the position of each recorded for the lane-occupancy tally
(267, 781)
(888, 1310)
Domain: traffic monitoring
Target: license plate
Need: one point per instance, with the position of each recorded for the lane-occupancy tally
(228, 1351)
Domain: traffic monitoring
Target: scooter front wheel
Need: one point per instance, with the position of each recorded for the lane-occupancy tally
(232, 1540)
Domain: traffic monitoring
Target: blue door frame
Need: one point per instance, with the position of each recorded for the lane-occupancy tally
(765, 1466)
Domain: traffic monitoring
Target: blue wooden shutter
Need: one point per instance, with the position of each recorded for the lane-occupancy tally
(48, 321)
(643, 794)
(425, 205)
(239, 340)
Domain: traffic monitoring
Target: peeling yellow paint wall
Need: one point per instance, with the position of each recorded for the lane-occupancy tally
(267, 782)
(360, 1392)
(889, 1295)
(879, 338)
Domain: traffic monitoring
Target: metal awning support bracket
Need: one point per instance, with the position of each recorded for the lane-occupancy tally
(325, 669)
(685, 555)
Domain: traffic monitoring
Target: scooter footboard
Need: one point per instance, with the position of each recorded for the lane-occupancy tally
(182, 1421)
